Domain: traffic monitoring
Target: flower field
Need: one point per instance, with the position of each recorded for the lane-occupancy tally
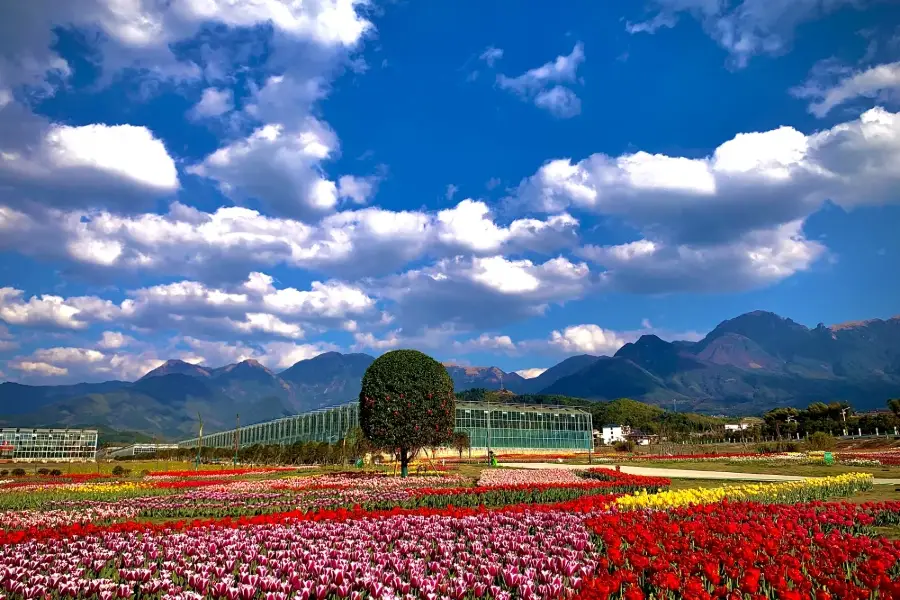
(531, 534)
(849, 458)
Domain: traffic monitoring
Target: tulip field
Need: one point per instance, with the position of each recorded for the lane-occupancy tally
(269, 534)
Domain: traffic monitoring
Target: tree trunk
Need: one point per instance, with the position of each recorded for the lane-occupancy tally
(404, 462)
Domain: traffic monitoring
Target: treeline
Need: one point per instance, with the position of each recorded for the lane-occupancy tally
(834, 418)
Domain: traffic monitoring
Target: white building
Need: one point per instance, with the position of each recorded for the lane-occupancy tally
(610, 434)
(737, 426)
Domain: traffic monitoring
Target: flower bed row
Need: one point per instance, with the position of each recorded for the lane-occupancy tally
(814, 488)
(194, 473)
(746, 550)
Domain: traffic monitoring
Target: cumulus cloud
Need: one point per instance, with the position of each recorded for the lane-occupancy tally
(745, 28)
(255, 309)
(879, 82)
(120, 165)
(530, 373)
(278, 166)
(213, 103)
(274, 355)
(732, 219)
(54, 311)
(541, 85)
(357, 189)
(586, 339)
(108, 165)
(82, 364)
(215, 246)
(481, 293)
(114, 339)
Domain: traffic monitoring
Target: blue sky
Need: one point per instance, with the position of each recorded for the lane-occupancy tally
(494, 183)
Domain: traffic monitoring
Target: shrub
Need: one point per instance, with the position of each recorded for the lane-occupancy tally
(18, 472)
(119, 471)
(821, 440)
(406, 402)
(624, 446)
(43, 471)
(771, 447)
(4, 473)
(55, 473)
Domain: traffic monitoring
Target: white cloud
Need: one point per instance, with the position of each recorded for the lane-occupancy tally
(68, 356)
(255, 308)
(451, 191)
(54, 311)
(541, 84)
(281, 355)
(232, 240)
(213, 103)
(491, 55)
(881, 82)
(730, 220)
(369, 340)
(114, 339)
(586, 339)
(83, 364)
(744, 28)
(530, 373)
(559, 101)
(564, 69)
(38, 368)
(277, 166)
(98, 165)
(88, 165)
(481, 293)
(358, 189)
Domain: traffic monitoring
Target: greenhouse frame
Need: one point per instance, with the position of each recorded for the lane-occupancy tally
(490, 426)
(20, 444)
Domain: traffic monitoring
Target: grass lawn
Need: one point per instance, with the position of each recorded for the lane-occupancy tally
(787, 469)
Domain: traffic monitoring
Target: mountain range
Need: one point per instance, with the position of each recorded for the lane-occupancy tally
(746, 365)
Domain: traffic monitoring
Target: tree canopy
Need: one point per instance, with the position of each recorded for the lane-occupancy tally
(406, 402)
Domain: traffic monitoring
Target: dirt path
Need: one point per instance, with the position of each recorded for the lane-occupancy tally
(680, 473)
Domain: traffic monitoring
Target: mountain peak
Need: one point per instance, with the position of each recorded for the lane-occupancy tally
(177, 366)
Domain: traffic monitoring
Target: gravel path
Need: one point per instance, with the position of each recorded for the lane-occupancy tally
(679, 473)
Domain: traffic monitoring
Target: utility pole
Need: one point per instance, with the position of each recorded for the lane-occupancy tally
(237, 437)
(199, 441)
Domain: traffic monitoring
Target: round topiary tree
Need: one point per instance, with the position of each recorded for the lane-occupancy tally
(406, 402)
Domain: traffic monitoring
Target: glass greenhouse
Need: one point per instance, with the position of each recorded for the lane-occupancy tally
(47, 445)
(489, 426)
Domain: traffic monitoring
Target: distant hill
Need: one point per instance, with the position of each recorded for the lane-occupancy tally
(745, 365)
(750, 364)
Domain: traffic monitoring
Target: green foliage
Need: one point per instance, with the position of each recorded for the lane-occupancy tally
(894, 405)
(43, 471)
(4, 473)
(624, 446)
(770, 447)
(461, 442)
(119, 471)
(18, 472)
(821, 441)
(832, 417)
(55, 473)
(406, 402)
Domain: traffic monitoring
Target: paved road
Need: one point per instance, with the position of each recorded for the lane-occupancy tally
(680, 473)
